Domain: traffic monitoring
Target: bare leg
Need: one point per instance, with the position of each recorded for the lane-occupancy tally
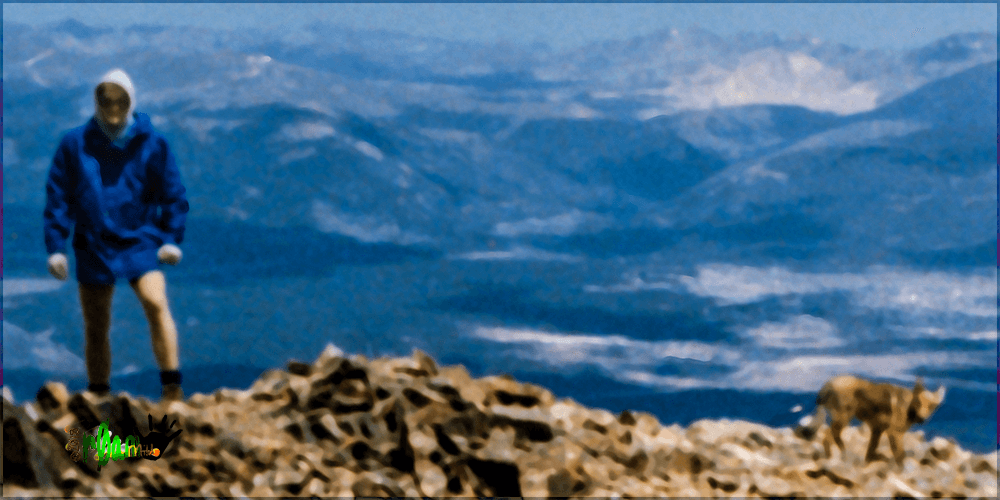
(151, 289)
(96, 303)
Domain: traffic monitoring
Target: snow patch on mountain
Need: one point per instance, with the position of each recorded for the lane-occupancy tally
(637, 361)
(296, 154)
(256, 65)
(805, 373)
(857, 134)
(803, 331)
(368, 229)
(451, 135)
(605, 94)
(202, 127)
(910, 331)
(581, 112)
(308, 131)
(559, 225)
(878, 288)
(608, 351)
(38, 351)
(369, 150)
(770, 76)
(517, 254)
(35, 76)
(14, 287)
(758, 172)
(363, 228)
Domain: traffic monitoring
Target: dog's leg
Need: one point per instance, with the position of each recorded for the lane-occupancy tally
(897, 447)
(873, 444)
(836, 426)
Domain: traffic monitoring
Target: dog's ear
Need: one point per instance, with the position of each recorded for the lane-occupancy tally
(939, 394)
(919, 386)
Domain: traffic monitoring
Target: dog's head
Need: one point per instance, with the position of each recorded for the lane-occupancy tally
(924, 402)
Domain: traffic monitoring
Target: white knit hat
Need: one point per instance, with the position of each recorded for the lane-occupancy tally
(120, 78)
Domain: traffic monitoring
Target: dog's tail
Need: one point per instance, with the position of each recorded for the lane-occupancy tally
(810, 424)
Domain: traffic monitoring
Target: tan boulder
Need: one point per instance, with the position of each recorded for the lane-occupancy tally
(456, 375)
(419, 364)
(455, 379)
(330, 356)
(566, 482)
(425, 362)
(746, 459)
(289, 480)
(535, 483)
(433, 482)
(770, 486)
(271, 386)
(301, 388)
(646, 423)
(296, 367)
(370, 484)
(31, 459)
(504, 390)
(317, 487)
(259, 491)
(52, 396)
(728, 483)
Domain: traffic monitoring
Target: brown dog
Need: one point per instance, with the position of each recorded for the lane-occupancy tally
(886, 408)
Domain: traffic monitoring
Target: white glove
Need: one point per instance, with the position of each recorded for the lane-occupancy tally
(59, 266)
(169, 254)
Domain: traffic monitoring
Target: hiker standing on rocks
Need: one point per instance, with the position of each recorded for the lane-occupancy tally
(115, 181)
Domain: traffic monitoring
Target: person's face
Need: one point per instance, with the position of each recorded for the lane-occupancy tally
(112, 104)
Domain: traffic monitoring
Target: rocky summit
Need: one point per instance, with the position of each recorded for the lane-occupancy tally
(346, 426)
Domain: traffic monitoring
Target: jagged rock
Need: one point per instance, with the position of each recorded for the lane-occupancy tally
(770, 486)
(425, 362)
(726, 483)
(330, 355)
(535, 483)
(323, 426)
(687, 462)
(30, 459)
(52, 396)
(269, 385)
(646, 423)
(746, 458)
(570, 482)
(405, 427)
(418, 365)
(8, 395)
(299, 368)
(469, 392)
(369, 484)
(940, 449)
(289, 480)
(432, 479)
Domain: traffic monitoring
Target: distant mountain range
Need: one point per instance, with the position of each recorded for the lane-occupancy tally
(675, 141)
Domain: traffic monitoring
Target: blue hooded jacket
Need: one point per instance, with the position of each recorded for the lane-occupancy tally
(123, 202)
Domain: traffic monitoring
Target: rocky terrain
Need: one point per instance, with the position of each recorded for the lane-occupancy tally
(405, 427)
